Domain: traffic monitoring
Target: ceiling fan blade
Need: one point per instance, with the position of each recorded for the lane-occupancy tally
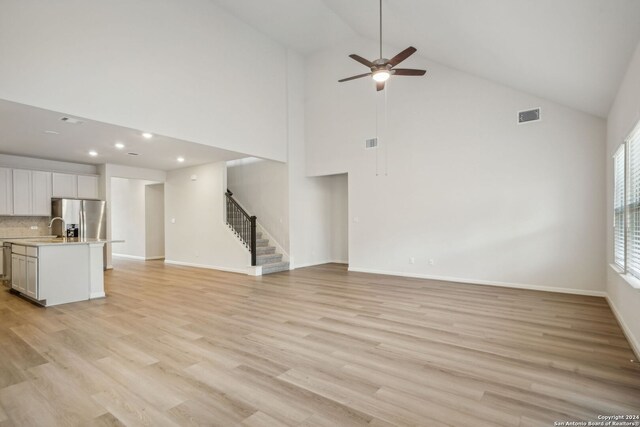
(408, 72)
(379, 86)
(402, 56)
(361, 60)
(354, 77)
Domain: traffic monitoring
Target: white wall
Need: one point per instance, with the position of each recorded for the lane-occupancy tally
(309, 197)
(21, 162)
(624, 114)
(339, 214)
(489, 201)
(189, 71)
(154, 221)
(128, 216)
(262, 189)
(109, 171)
(199, 236)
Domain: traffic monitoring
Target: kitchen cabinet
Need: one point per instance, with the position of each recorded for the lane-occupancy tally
(40, 193)
(32, 277)
(6, 191)
(88, 187)
(22, 192)
(71, 186)
(31, 192)
(24, 270)
(18, 272)
(65, 185)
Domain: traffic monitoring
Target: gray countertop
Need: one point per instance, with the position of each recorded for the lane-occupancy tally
(56, 241)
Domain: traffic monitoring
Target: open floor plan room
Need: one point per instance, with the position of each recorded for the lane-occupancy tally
(320, 213)
(315, 346)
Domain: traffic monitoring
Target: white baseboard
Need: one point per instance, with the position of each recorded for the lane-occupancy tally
(246, 270)
(293, 266)
(139, 258)
(96, 295)
(484, 282)
(635, 345)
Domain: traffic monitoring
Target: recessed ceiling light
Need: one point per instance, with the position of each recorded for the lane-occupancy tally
(93, 153)
(52, 132)
(147, 135)
(119, 145)
(180, 159)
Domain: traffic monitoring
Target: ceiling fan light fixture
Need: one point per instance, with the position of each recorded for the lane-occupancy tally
(381, 76)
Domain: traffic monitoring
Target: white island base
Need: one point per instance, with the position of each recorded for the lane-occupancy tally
(52, 274)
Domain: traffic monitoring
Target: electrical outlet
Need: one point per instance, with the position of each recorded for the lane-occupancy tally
(34, 227)
(431, 262)
(412, 260)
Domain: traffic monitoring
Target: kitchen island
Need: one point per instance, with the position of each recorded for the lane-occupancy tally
(52, 271)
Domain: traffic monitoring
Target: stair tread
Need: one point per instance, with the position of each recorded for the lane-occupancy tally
(268, 255)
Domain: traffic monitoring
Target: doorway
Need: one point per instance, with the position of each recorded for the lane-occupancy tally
(137, 217)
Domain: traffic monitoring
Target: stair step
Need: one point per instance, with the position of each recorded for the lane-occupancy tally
(262, 242)
(265, 250)
(275, 267)
(268, 259)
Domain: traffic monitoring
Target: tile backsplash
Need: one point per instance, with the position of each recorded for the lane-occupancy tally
(20, 226)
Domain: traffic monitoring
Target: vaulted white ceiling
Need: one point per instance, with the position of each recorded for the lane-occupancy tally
(574, 52)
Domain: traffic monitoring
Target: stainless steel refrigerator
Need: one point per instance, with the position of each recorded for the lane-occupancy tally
(85, 219)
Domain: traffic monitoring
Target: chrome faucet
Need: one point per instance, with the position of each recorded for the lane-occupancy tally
(63, 225)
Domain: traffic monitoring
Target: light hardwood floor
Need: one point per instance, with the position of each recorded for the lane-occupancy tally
(316, 346)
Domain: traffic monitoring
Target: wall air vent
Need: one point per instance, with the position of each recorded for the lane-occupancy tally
(529, 116)
(371, 143)
(71, 120)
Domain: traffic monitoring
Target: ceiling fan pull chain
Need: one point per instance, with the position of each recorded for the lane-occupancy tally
(386, 134)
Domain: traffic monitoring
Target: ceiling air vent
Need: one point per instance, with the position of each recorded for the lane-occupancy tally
(529, 116)
(371, 143)
(71, 120)
(133, 154)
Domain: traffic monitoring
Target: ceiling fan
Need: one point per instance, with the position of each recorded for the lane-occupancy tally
(382, 68)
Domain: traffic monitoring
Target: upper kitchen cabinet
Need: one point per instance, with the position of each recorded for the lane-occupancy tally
(22, 192)
(88, 187)
(6, 191)
(40, 193)
(31, 192)
(65, 185)
(73, 186)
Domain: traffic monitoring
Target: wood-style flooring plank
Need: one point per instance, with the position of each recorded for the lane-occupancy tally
(318, 346)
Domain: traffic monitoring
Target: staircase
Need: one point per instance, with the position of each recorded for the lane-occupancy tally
(244, 227)
(267, 257)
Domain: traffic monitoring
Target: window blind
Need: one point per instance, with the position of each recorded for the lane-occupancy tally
(633, 203)
(618, 208)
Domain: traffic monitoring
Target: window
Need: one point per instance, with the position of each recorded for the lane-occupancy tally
(618, 207)
(626, 204)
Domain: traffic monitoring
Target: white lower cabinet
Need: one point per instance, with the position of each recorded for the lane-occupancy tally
(32, 277)
(18, 272)
(24, 271)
